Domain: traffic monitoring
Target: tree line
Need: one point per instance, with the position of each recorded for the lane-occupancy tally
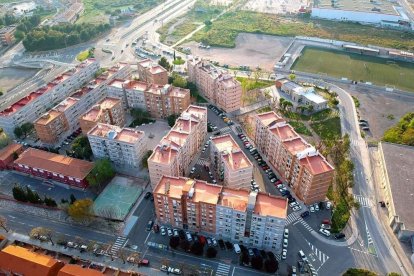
(61, 36)
(24, 25)
(28, 195)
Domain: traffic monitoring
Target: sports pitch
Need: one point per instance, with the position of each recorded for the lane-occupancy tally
(117, 198)
(379, 71)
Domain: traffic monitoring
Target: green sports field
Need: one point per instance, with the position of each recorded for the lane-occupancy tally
(340, 64)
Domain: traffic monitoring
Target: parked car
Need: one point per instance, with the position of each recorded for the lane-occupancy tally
(284, 254)
(316, 206)
(214, 241)
(285, 243)
(305, 214)
(188, 236)
(163, 232)
(169, 232)
(236, 248)
(312, 209)
(209, 242)
(273, 180)
(328, 205)
(175, 233)
(286, 233)
(325, 232)
(302, 256)
(339, 236)
(147, 195)
(251, 253)
(149, 225)
(296, 208)
(193, 170)
(325, 226)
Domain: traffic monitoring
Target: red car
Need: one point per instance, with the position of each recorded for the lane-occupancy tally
(278, 182)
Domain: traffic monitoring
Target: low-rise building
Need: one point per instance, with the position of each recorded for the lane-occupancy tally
(396, 180)
(123, 146)
(7, 35)
(61, 168)
(152, 73)
(231, 164)
(8, 154)
(107, 111)
(174, 153)
(216, 85)
(297, 162)
(250, 218)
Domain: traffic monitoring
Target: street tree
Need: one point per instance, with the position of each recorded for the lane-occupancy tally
(271, 265)
(164, 63)
(292, 77)
(18, 132)
(257, 262)
(185, 245)
(81, 210)
(359, 272)
(27, 128)
(197, 249)
(3, 223)
(211, 252)
(101, 173)
(81, 147)
(38, 232)
(178, 81)
(19, 193)
(144, 161)
(174, 242)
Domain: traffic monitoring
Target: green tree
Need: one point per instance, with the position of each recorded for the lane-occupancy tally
(72, 198)
(27, 128)
(358, 272)
(33, 197)
(197, 249)
(271, 265)
(81, 210)
(18, 132)
(179, 81)
(19, 194)
(292, 77)
(171, 119)
(208, 23)
(101, 173)
(81, 148)
(144, 161)
(174, 242)
(211, 252)
(257, 262)
(164, 63)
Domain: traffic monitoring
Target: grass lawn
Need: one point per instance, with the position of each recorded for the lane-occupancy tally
(328, 129)
(178, 61)
(295, 116)
(321, 115)
(356, 67)
(84, 55)
(224, 31)
(250, 84)
(300, 128)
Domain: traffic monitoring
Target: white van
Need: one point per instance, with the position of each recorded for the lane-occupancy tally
(236, 248)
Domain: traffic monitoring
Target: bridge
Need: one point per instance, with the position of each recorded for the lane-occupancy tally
(38, 63)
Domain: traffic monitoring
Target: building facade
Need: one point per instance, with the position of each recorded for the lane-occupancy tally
(173, 154)
(32, 106)
(152, 73)
(123, 146)
(297, 162)
(107, 111)
(7, 35)
(8, 155)
(218, 86)
(47, 165)
(231, 164)
(50, 126)
(249, 218)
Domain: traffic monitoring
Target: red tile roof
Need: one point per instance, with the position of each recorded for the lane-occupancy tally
(76, 270)
(7, 151)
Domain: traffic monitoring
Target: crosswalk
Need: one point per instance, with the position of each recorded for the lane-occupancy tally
(306, 225)
(363, 201)
(224, 130)
(222, 270)
(317, 254)
(202, 162)
(357, 143)
(278, 257)
(291, 218)
(118, 244)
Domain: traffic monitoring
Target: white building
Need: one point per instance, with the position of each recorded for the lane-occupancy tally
(123, 146)
(131, 92)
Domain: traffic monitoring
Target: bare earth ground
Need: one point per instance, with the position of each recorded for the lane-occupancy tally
(251, 50)
(376, 107)
(11, 77)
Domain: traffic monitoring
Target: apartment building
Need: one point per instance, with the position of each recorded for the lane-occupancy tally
(107, 111)
(50, 126)
(71, 13)
(123, 146)
(231, 164)
(32, 106)
(173, 154)
(299, 163)
(152, 73)
(250, 218)
(215, 84)
(131, 92)
(163, 101)
(7, 35)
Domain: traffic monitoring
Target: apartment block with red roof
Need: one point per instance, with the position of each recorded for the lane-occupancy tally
(50, 126)
(61, 168)
(35, 103)
(173, 155)
(123, 146)
(299, 163)
(107, 111)
(231, 164)
(151, 72)
(250, 218)
(216, 85)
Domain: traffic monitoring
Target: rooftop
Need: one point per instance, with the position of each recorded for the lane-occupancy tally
(225, 143)
(111, 132)
(399, 163)
(119, 83)
(172, 186)
(95, 112)
(235, 199)
(377, 6)
(163, 154)
(66, 104)
(55, 163)
(296, 145)
(77, 270)
(284, 131)
(237, 160)
(196, 110)
(272, 206)
(270, 118)
(179, 138)
(316, 163)
(48, 117)
(184, 125)
(153, 67)
(81, 92)
(136, 85)
(9, 150)
(205, 192)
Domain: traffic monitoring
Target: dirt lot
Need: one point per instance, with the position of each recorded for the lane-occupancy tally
(251, 50)
(377, 108)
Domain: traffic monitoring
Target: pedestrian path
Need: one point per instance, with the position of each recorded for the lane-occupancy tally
(118, 244)
(291, 218)
(222, 270)
(224, 130)
(305, 224)
(363, 201)
(357, 143)
(318, 254)
(202, 162)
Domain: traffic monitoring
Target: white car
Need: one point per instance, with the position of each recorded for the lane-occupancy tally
(192, 170)
(286, 234)
(169, 231)
(302, 256)
(214, 241)
(324, 232)
(175, 231)
(328, 205)
(273, 180)
(297, 208)
(284, 254)
(316, 206)
(312, 209)
(280, 186)
(285, 243)
(293, 204)
(162, 228)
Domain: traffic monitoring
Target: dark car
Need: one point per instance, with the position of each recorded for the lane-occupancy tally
(149, 225)
(291, 199)
(339, 236)
(147, 195)
(305, 214)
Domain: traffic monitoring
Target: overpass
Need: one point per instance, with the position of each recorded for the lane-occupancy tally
(38, 63)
